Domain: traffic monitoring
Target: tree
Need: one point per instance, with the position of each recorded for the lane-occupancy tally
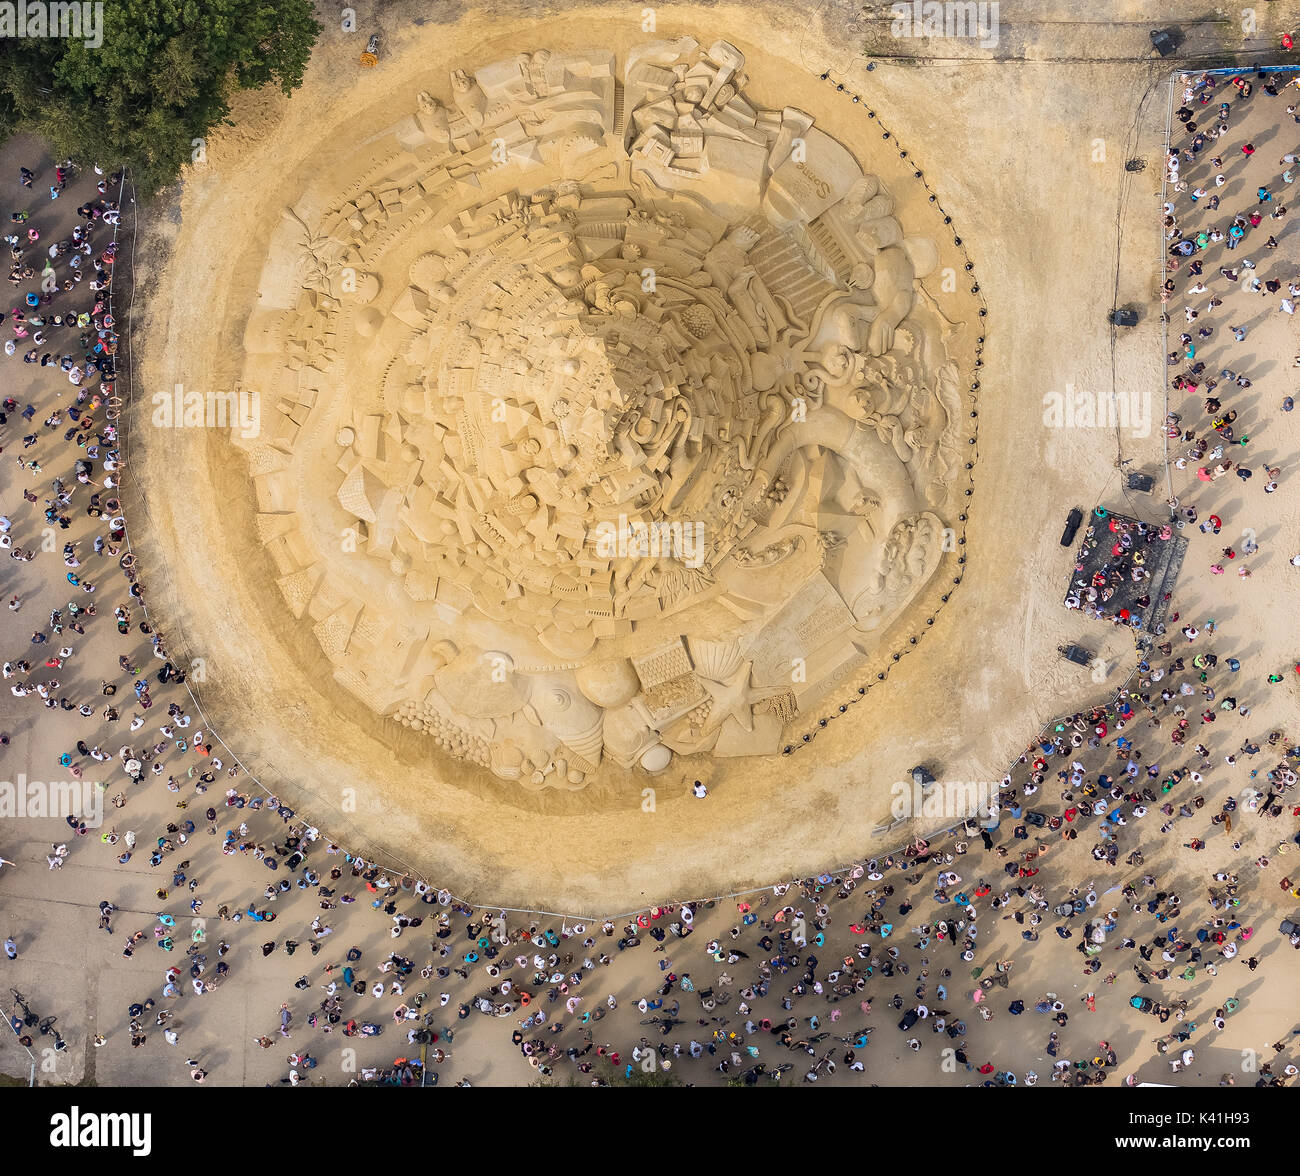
(639, 1077)
(615, 1077)
(161, 79)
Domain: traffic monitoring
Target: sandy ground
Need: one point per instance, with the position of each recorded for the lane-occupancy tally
(961, 702)
(1041, 220)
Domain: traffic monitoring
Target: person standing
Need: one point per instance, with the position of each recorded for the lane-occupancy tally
(11, 948)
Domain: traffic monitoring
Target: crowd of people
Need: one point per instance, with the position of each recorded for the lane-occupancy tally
(1201, 168)
(929, 942)
(1114, 554)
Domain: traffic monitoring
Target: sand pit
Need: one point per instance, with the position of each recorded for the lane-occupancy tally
(468, 326)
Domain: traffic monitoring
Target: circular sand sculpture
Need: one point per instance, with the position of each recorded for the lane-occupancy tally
(604, 419)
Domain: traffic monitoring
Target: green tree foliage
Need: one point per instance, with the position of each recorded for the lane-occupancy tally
(162, 78)
(618, 1077)
(655, 1077)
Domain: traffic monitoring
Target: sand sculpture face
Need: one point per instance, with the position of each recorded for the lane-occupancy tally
(611, 421)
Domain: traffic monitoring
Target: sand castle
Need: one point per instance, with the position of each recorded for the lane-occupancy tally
(603, 415)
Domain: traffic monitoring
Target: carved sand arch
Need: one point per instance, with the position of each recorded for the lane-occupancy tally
(602, 420)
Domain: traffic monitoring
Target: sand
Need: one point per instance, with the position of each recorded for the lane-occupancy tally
(1041, 219)
(962, 707)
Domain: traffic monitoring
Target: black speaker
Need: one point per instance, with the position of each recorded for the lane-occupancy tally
(1072, 523)
(1143, 482)
(1124, 318)
(1162, 41)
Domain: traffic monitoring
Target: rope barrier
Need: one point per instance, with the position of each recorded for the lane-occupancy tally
(882, 675)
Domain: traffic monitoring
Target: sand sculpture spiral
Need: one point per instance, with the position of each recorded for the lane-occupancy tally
(604, 416)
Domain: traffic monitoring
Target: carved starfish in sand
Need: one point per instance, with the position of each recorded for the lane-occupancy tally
(734, 697)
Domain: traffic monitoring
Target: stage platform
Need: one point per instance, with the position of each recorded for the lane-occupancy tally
(1125, 570)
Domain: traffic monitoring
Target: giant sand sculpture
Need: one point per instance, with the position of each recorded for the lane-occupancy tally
(604, 415)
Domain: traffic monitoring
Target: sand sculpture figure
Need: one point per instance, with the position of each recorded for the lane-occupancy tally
(605, 418)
